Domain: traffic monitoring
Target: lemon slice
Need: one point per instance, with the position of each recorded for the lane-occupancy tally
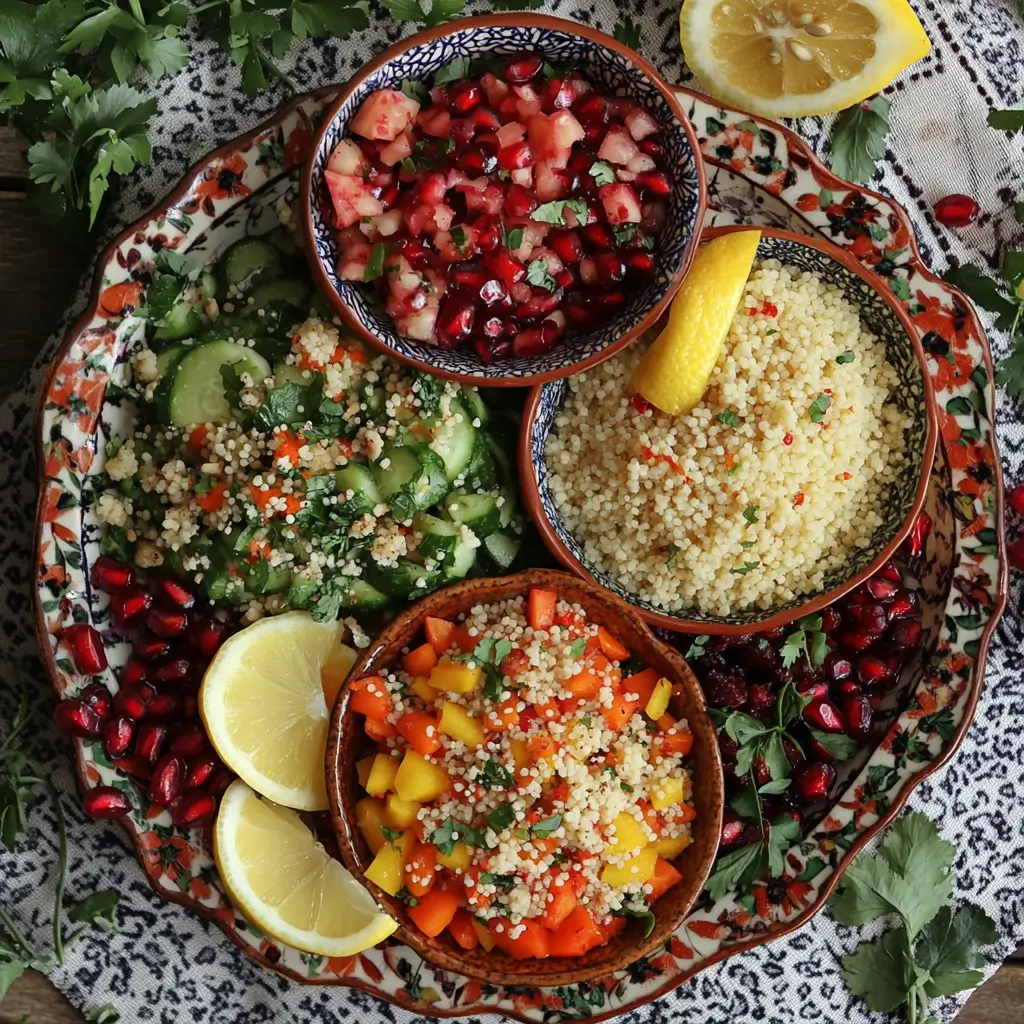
(264, 705)
(788, 58)
(674, 372)
(285, 882)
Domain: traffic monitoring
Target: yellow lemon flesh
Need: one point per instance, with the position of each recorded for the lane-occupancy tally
(285, 882)
(264, 706)
(674, 372)
(790, 58)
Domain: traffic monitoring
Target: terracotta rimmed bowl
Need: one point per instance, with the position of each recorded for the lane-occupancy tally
(347, 743)
(620, 72)
(886, 318)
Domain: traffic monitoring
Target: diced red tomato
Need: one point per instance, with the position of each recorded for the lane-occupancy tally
(575, 935)
(462, 931)
(370, 697)
(562, 903)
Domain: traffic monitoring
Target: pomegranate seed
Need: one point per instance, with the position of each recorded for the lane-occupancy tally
(168, 774)
(194, 809)
(1016, 498)
(151, 648)
(522, 67)
(598, 236)
(129, 608)
(75, 718)
(857, 712)
(867, 618)
(881, 588)
(99, 698)
(164, 706)
(488, 238)
(176, 594)
(118, 734)
(610, 269)
(456, 318)
(133, 700)
(837, 666)
(610, 301)
(559, 93)
(830, 620)
(722, 690)
(639, 263)
(854, 643)
(475, 161)
(471, 276)
(848, 688)
(813, 780)
(106, 802)
(566, 244)
(86, 648)
(219, 781)
(793, 755)
(172, 671)
(199, 772)
(824, 715)
(190, 705)
(133, 672)
(516, 156)
(539, 304)
(652, 147)
(190, 743)
(905, 634)
(532, 342)
(655, 182)
(111, 576)
(166, 622)
(150, 741)
(464, 96)
(506, 266)
(820, 753)
(493, 291)
(762, 776)
(732, 828)
(956, 211)
(876, 669)
(1015, 553)
(579, 314)
(814, 689)
(493, 327)
(519, 202)
(133, 765)
(729, 748)
(890, 571)
(914, 544)
(592, 110)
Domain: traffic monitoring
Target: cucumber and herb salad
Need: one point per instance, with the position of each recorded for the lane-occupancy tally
(281, 465)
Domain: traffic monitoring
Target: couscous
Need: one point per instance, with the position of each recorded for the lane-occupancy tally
(529, 788)
(766, 486)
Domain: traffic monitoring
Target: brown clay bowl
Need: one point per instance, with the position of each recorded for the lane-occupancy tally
(347, 744)
(888, 320)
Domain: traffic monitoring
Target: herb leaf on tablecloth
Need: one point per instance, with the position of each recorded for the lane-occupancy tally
(858, 139)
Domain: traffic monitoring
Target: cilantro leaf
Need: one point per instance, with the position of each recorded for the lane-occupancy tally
(627, 32)
(699, 646)
(845, 357)
(735, 868)
(514, 239)
(603, 173)
(106, 1014)
(375, 265)
(544, 828)
(494, 775)
(320, 18)
(417, 91)
(11, 968)
(879, 972)
(501, 882)
(282, 407)
(554, 212)
(453, 72)
(578, 647)
(517, 5)
(858, 139)
(728, 418)
(97, 909)
(745, 568)
(946, 949)
(501, 817)
(750, 513)
(537, 274)
(392, 835)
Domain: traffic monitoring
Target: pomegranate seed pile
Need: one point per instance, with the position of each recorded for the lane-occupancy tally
(150, 729)
(499, 211)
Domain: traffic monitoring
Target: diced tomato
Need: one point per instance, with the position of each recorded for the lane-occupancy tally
(434, 912)
(541, 745)
(370, 697)
(213, 499)
(612, 928)
(672, 738)
(197, 437)
(562, 903)
(514, 662)
(422, 730)
(462, 641)
(420, 876)
(612, 647)
(540, 608)
(462, 931)
(385, 114)
(531, 939)
(420, 660)
(500, 717)
(575, 935)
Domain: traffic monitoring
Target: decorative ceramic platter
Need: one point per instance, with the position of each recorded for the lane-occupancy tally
(757, 172)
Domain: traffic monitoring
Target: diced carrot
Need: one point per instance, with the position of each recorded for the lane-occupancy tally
(584, 685)
(531, 939)
(379, 729)
(462, 640)
(664, 877)
(560, 906)
(422, 730)
(500, 717)
(419, 876)
(620, 712)
(420, 660)
(435, 911)
(370, 697)
(439, 633)
(642, 683)
(197, 437)
(575, 935)
(288, 445)
(540, 608)
(262, 498)
(462, 930)
(213, 499)
(650, 815)
(615, 649)
(541, 745)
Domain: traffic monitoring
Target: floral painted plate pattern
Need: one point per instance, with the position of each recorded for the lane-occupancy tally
(757, 172)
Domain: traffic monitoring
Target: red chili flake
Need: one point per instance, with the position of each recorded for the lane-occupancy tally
(640, 403)
(770, 309)
(828, 391)
(847, 476)
(730, 460)
(649, 456)
(788, 438)
(799, 499)
(752, 311)
(647, 453)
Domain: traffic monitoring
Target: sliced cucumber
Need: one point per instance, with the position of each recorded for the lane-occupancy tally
(286, 372)
(508, 507)
(223, 587)
(406, 579)
(395, 470)
(277, 580)
(289, 290)
(284, 240)
(439, 539)
(321, 306)
(481, 474)
(480, 512)
(410, 480)
(474, 404)
(454, 441)
(208, 282)
(248, 262)
(501, 549)
(500, 457)
(357, 478)
(463, 559)
(183, 321)
(359, 595)
(168, 358)
(196, 392)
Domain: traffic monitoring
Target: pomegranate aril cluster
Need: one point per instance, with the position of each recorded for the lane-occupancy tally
(150, 728)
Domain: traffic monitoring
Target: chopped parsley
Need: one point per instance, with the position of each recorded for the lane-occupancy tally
(602, 172)
(501, 882)
(745, 568)
(544, 828)
(750, 513)
(392, 835)
(819, 407)
(494, 775)
(514, 239)
(537, 275)
(627, 232)
(554, 212)
(578, 647)
(728, 418)
(501, 817)
(845, 357)
(489, 654)
(375, 266)
(451, 831)
(459, 237)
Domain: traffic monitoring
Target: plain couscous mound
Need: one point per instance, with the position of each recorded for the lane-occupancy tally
(752, 498)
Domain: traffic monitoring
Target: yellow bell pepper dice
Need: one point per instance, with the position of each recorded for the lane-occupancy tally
(520, 755)
(458, 860)
(657, 704)
(670, 847)
(460, 726)
(386, 869)
(419, 779)
(629, 834)
(382, 775)
(485, 937)
(369, 817)
(363, 768)
(455, 676)
(667, 792)
(400, 813)
(638, 868)
(422, 688)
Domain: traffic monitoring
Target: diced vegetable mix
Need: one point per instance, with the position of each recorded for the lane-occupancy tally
(522, 792)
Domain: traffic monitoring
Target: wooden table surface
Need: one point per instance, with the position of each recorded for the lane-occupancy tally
(38, 276)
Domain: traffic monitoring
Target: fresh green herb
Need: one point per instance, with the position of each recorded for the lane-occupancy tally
(407, 897)
(744, 568)
(625, 787)
(578, 647)
(587, 720)
(934, 951)
(517, 5)
(537, 274)
(494, 775)
(417, 91)
(807, 639)
(514, 239)
(637, 907)
(392, 835)
(97, 909)
(452, 72)
(728, 418)
(489, 654)
(858, 139)
(233, 386)
(544, 828)
(459, 237)
(500, 882)
(501, 817)
(375, 266)
(627, 232)
(845, 357)
(554, 212)
(627, 32)
(602, 173)
(673, 556)
(699, 647)
(1006, 120)
(749, 863)
(839, 746)
(440, 12)
(747, 543)
(750, 513)
(451, 831)
(819, 407)
(288, 404)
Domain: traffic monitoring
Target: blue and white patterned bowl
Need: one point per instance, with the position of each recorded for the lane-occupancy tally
(886, 318)
(617, 70)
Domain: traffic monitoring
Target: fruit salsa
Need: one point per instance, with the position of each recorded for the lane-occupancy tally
(529, 789)
(498, 209)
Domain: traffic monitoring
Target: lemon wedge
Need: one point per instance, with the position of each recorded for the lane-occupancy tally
(264, 702)
(674, 372)
(285, 882)
(788, 58)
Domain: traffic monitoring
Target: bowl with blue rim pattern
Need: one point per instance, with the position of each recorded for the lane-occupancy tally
(885, 317)
(608, 65)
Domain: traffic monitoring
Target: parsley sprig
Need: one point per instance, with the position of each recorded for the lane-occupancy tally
(808, 640)
(858, 139)
(489, 654)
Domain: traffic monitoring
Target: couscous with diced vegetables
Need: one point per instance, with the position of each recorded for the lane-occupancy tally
(529, 788)
(766, 486)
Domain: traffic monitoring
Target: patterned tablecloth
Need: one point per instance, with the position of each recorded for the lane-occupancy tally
(169, 965)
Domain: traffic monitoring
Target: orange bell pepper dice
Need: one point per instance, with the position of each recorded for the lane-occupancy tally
(540, 608)
(434, 912)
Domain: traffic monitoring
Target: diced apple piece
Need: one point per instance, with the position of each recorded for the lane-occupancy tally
(523, 176)
(355, 253)
(350, 199)
(547, 182)
(385, 114)
(443, 217)
(618, 147)
(509, 133)
(554, 264)
(387, 223)
(435, 121)
(495, 89)
(396, 151)
(451, 252)
(347, 158)
(528, 108)
(565, 130)
(642, 163)
(620, 202)
(640, 123)
(419, 325)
